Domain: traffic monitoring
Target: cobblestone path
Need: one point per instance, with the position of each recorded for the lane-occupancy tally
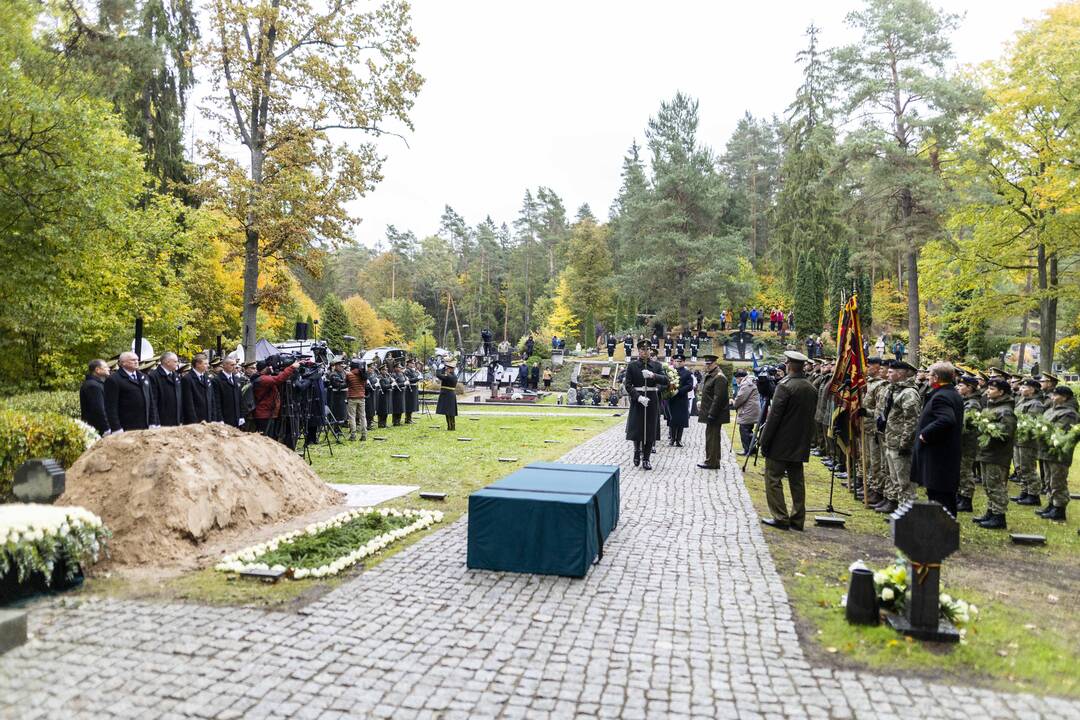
(685, 616)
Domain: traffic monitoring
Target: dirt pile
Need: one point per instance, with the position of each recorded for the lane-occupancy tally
(166, 492)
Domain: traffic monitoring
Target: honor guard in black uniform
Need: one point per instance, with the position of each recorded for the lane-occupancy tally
(694, 347)
(371, 402)
(386, 386)
(645, 380)
(628, 346)
(668, 344)
(610, 346)
(412, 390)
(397, 394)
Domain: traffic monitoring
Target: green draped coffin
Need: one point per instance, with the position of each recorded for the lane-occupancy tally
(550, 520)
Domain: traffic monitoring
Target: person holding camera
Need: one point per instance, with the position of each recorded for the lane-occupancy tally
(265, 386)
(356, 391)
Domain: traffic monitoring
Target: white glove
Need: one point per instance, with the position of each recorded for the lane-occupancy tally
(648, 374)
(643, 400)
(240, 422)
(154, 427)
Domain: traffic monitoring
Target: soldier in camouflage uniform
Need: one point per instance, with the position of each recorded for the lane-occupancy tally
(1063, 415)
(969, 444)
(901, 420)
(874, 385)
(996, 455)
(1026, 454)
(820, 412)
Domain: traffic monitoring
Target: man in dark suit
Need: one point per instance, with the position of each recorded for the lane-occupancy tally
(785, 443)
(92, 397)
(227, 394)
(129, 401)
(168, 395)
(935, 458)
(199, 404)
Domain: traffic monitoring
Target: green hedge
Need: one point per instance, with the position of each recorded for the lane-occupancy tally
(61, 402)
(24, 436)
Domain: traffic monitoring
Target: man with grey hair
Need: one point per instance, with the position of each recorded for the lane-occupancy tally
(935, 457)
(129, 401)
(168, 396)
(227, 397)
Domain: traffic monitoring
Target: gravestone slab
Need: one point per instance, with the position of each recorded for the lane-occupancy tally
(926, 534)
(39, 481)
(12, 629)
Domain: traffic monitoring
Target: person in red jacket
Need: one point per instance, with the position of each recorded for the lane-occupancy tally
(267, 397)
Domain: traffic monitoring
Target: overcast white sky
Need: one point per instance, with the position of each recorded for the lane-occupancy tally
(519, 95)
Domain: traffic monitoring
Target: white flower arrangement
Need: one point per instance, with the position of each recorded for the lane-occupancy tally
(90, 433)
(34, 538)
(247, 559)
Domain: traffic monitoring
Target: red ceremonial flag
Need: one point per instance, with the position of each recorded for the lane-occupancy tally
(849, 374)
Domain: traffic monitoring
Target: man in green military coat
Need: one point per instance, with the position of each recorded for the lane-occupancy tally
(785, 443)
(713, 411)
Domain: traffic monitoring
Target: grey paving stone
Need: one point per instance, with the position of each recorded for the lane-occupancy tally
(684, 617)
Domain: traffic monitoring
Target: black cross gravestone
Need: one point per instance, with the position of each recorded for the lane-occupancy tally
(926, 534)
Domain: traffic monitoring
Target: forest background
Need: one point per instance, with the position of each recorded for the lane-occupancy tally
(948, 197)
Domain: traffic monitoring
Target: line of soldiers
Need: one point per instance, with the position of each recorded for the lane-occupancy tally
(895, 395)
(378, 392)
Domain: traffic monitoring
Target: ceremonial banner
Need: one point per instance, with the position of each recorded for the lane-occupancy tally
(849, 374)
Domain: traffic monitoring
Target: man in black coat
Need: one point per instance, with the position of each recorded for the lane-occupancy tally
(168, 394)
(129, 402)
(645, 382)
(227, 394)
(199, 405)
(785, 443)
(92, 397)
(935, 458)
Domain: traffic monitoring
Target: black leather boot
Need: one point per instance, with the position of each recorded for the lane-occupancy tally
(994, 522)
(963, 504)
(1030, 499)
(637, 454)
(1056, 513)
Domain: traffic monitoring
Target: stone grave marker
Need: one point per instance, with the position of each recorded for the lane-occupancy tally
(39, 481)
(926, 534)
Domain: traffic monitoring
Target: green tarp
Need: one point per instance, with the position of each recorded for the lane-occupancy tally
(550, 520)
(609, 490)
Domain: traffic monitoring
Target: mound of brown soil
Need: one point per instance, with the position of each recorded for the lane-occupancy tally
(165, 492)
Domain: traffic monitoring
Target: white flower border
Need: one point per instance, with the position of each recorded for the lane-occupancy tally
(33, 536)
(244, 560)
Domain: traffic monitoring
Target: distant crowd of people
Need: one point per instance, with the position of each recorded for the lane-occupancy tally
(754, 318)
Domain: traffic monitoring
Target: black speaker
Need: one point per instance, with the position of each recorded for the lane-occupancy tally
(301, 331)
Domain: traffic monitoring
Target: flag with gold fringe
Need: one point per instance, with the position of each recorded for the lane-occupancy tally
(849, 373)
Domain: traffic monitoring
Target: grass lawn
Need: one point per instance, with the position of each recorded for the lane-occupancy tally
(1025, 637)
(437, 462)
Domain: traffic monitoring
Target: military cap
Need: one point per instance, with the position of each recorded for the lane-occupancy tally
(740, 373)
(1047, 377)
(1031, 382)
(995, 371)
(1001, 384)
(873, 360)
(796, 356)
(1063, 390)
(253, 363)
(678, 356)
(644, 344)
(970, 380)
(708, 358)
(901, 365)
(982, 376)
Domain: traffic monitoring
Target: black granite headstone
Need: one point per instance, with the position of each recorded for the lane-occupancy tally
(926, 534)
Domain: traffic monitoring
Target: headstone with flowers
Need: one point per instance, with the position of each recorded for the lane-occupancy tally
(926, 534)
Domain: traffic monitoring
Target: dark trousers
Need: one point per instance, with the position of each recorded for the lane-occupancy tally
(261, 424)
(746, 436)
(714, 434)
(396, 419)
(774, 491)
(947, 500)
(382, 420)
(450, 424)
(644, 449)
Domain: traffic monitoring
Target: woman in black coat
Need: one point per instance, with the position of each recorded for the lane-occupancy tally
(935, 457)
(447, 404)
